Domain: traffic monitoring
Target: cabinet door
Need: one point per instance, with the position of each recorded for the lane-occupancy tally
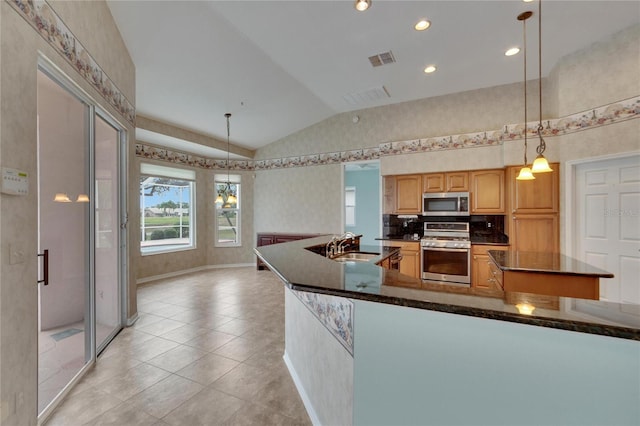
(487, 191)
(457, 181)
(410, 263)
(286, 238)
(264, 240)
(535, 232)
(481, 275)
(534, 196)
(389, 195)
(408, 194)
(433, 182)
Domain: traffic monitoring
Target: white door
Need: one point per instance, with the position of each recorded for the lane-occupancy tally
(607, 224)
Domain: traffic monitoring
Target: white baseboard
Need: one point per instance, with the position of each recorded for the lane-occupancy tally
(303, 394)
(189, 271)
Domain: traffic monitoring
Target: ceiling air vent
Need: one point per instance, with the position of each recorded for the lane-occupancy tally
(382, 59)
(366, 97)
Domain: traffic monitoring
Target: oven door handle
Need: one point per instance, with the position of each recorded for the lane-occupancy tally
(456, 250)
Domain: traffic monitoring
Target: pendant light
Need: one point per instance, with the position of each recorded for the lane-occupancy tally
(540, 164)
(225, 195)
(525, 171)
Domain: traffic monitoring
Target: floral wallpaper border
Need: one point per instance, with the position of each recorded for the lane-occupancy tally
(608, 114)
(335, 313)
(49, 25)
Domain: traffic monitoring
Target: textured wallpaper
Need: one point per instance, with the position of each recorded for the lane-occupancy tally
(302, 199)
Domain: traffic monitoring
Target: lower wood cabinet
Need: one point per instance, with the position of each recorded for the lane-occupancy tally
(481, 274)
(268, 238)
(410, 257)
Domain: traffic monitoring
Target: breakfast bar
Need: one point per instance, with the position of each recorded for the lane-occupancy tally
(367, 345)
(551, 274)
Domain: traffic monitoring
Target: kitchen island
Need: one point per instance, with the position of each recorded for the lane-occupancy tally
(364, 348)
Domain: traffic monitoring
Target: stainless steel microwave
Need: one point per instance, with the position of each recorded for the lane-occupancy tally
(445, 204)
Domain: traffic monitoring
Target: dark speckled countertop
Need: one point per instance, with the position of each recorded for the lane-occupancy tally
(304, 270)
(548, 263)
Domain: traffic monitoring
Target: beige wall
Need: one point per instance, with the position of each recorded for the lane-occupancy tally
(603, 73)
(20, 44)
(205, 253)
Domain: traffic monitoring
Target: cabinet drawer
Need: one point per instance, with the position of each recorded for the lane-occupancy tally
(495, 274)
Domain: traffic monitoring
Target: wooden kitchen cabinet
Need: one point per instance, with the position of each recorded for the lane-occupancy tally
(540, 195)
(534, 211)
(535, 232)
(410, 256)
(408, 194)
(433, 182)
(481, 274)
(446, 182)
(487, 191)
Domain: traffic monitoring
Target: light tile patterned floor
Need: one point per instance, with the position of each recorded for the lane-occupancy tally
(207, 350)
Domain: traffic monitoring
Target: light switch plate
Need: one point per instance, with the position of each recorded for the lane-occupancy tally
(14, 182)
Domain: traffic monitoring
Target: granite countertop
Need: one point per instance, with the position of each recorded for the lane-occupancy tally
(486, 239)
(302, 269)
(548, 263)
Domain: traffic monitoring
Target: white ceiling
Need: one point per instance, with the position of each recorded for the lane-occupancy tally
(281, 66)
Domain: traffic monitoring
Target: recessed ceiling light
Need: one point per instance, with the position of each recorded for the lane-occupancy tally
(527, 1)
(422, 25)
(362, 5)
(512, 51)
(430, 69)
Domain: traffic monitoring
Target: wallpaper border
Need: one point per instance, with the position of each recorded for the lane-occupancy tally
(53, 30)
(616, 112)
(334, 313)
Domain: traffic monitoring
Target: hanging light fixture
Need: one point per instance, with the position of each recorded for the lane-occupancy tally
(225, 195)
(540, 164)
(362, 5)
(525, 171)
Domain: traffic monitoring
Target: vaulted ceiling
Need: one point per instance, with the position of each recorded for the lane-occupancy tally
(281, 66)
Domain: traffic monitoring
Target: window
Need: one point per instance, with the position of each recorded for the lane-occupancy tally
(167, 209)
(227, 220)
(350, 206)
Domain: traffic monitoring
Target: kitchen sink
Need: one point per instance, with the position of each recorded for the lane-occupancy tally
(356, 257)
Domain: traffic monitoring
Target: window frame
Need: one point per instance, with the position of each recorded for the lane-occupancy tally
(164, 172)
(232, 180)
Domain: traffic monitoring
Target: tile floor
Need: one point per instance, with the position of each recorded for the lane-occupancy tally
(206, 350)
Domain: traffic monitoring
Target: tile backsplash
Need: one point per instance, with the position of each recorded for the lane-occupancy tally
(489, 227)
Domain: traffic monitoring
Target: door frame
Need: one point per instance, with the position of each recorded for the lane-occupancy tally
(52, 71)
(569, 233)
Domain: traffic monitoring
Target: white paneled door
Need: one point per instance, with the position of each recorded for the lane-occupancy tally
(607, 224)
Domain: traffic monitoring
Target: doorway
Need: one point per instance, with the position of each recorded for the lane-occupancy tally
(362, 213)
(607, 203)
(80, 244)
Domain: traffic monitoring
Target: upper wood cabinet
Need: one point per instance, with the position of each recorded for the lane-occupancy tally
(408, 194)
(457, 181)
(534, 196)
(487, 191)
(433, 182)
(445, 182)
